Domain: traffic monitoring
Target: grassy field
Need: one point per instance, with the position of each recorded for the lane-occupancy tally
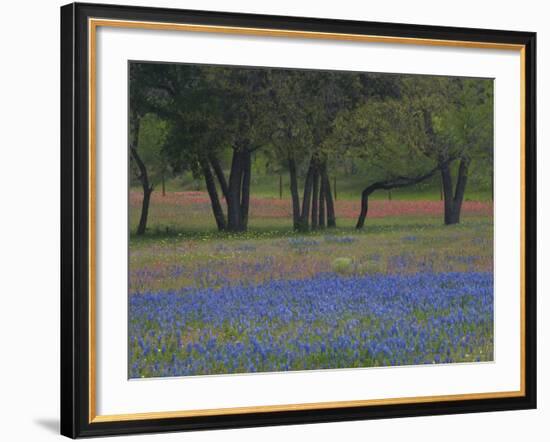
(405, 290)
(189, 213)
(348, 187)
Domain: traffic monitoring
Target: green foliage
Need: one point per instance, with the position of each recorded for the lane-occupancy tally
(469, 125)
(385, 135)
(282, 126)
(153, 133)
(373, 126)
(430, 120)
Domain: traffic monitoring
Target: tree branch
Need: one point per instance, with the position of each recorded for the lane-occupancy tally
(400, 181)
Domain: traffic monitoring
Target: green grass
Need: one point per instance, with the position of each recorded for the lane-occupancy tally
(173, 260)
(348, 187)
(204, 229)
(182, 244)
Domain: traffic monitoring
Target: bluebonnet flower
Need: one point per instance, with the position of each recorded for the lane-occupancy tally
(327, 321)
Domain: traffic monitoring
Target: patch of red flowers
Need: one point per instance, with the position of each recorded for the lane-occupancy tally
(277, 208)
(383, 208)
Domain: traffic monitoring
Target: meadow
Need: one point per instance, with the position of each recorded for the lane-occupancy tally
(404, 290)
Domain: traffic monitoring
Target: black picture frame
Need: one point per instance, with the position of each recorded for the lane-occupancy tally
(75, 220)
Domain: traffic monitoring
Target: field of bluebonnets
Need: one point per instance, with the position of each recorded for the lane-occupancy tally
(301, 219)
(405, 290)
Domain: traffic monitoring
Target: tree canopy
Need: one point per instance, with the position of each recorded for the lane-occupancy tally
(401, 129)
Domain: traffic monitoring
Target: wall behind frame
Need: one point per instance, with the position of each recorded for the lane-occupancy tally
(29, 225)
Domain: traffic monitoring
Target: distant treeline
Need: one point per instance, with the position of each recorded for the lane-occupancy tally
(402, 129)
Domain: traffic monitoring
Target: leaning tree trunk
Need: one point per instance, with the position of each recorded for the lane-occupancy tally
(306, 200)
(364, 207)
(144, 209)
(234, 194)
(147, 190)
(245, 191)
(447, 181)
(388, 185)
(213, 194)
(315, 199)
(215, 163)
(294, 193)
(143, 177)
(331, 215)
(322, 204)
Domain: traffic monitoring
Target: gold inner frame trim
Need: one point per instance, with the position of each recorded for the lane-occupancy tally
(299, 34)
(93, 24)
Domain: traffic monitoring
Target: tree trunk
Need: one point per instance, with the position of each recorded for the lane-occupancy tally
(245, 191)
(315, 199)
(447, 182)
(453, 202)
(219, 174)
(331, 215)
(294, 193)
(364, 209)
(322, 204)
(234, 193)
(147, 190)
(462, 179)
(163, 184)
(144, 210)
(143, 177)
(280, 186)
(306, 200)
(213, 194)
(390, 184)
(238, 190)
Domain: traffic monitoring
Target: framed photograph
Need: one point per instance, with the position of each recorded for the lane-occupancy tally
(274, 220)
